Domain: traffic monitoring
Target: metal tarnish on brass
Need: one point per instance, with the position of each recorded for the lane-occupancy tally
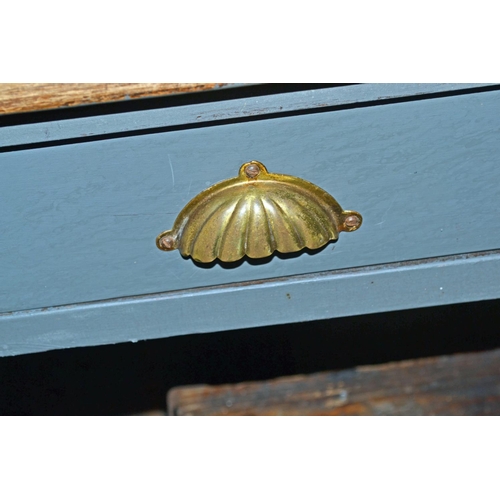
(255, 214)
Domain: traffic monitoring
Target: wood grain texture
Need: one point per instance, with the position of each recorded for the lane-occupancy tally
(22, 97)
(462, 384)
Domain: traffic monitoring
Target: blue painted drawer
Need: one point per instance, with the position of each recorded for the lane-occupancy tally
(79, 217)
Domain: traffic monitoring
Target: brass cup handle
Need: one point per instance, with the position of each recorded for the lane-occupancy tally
(255, 214)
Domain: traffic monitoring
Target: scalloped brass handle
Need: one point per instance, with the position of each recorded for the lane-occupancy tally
(255, 214)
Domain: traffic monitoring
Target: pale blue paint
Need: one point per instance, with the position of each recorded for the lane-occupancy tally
(218, 111)
(301, 298)
(79, 221)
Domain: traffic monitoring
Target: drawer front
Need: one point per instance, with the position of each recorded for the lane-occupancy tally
(79, 220)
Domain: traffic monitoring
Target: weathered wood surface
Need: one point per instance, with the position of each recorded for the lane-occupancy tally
(21, 97)
(462, 384)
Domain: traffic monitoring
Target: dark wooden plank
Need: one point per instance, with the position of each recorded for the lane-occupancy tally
(21, 97)
(462, 384)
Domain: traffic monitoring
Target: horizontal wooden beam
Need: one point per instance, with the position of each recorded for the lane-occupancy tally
(22, 97)
(462, 384)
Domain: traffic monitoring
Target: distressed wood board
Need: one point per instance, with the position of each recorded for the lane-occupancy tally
(23, 97)
(461, 384)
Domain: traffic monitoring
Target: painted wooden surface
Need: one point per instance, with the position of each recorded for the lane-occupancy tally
(463, 384)
(194, 115)
(79, 221)
(471, 277)
(22, 97)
